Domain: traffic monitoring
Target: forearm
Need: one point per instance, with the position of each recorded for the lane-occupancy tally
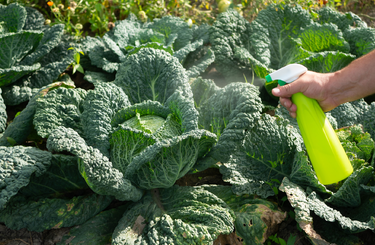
(355, 81)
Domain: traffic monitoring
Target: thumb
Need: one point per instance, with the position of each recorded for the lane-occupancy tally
(287, 90)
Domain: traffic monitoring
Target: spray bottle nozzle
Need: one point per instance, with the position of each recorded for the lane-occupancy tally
(287, 74)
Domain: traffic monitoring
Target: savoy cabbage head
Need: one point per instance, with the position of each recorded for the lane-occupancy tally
(32, 55)
(141, 130)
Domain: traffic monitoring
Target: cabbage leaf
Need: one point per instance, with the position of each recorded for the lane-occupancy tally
(177, 215)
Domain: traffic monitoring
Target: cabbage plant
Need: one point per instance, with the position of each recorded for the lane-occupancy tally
(187, 43)
(32, 54)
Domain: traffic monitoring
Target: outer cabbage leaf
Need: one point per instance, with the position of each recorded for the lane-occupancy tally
(366, 209)
(97, 230)
(368, 120)
(62, 177)
(343, 20)
(229, 113)
(229, 31)
(34, 20)
(266, 154)
(328, 61)
(255, 219)
(201, 32)
(333, 233)
(59, 107)
(304, 203)
(99, 107)
(96, 169)
(325, 37)
(181, 103)
(151, 74)
(350, 113)
(182, 53)
(13, 16)
(178, 215)
(15, 46)
(349, 194)
(22, 125)
(304, 175)
(17, 165)
(45, 214)
(199, 66)
(51, 38)
(361, 40)
(10, 75)
(101, 56)
(202, 90)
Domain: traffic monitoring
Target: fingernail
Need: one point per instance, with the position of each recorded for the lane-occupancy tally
(276, 91)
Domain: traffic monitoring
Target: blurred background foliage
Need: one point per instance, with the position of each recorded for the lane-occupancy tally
(96, 17)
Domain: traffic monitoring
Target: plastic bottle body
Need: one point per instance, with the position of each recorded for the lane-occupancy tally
(325, 151)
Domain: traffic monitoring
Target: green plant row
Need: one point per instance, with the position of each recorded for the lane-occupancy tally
(106, 161)
(90, 17)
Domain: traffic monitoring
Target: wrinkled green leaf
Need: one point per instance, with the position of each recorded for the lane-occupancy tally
(97, 230)
(61, 177)
(178, 215)
(45, 214)
(15, 46)
(151, 74)
(59, 107)
(99, 107)
(95, 168)
(267, 153)
(17, 165)
(303, 203)
(14, 16)
(51, 38)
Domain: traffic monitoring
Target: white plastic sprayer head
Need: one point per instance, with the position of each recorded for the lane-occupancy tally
(287, 74)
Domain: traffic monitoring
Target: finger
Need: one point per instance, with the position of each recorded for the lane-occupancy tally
(288, 104)
(293, 108)
(293, 114)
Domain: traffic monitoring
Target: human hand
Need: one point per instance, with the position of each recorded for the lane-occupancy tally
(311, 84)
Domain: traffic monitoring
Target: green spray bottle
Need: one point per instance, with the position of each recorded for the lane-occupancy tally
(325, 151)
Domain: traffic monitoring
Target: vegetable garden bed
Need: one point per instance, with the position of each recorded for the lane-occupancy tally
(171, 137)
